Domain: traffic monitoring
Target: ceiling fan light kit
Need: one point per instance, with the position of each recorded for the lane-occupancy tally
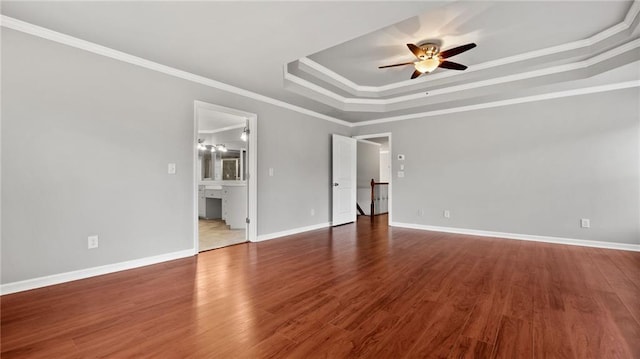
(430, 58)
(427, 65)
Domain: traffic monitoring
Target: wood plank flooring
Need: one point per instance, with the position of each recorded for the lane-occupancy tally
(360, 290)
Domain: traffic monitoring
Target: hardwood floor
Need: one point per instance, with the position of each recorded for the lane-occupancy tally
(362, 290)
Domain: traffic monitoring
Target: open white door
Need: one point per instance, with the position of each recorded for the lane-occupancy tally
(344, 180)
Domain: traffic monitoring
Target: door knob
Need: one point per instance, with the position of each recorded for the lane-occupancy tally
(335, 184)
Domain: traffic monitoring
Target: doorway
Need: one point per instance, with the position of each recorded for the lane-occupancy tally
(374, 175)
(225, 145)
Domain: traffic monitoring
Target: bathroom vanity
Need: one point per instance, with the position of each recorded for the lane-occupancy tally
(226, 201)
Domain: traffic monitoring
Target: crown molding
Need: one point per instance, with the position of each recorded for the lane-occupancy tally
(501, 103)
(38, 31)
(34, 30)
(352, 87)
(633, 12)
(384, 103)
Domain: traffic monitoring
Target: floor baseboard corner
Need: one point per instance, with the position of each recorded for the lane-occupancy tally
(39, 282)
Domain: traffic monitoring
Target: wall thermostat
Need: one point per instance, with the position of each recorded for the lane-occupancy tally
(400, 157)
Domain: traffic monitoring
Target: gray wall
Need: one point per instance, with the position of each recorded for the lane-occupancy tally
(85, 146)
(533, 168)
(368, 164)
(368, 168)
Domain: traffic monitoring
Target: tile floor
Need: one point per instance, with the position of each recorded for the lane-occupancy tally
(214, 233)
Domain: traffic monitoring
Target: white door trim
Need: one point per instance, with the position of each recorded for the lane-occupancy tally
(384, 134)
(252, 170)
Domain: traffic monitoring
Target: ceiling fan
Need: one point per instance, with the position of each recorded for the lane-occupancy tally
(430, 58)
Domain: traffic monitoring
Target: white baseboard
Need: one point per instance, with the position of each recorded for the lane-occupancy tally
(523, 237)
(265, 237)
(34, 283)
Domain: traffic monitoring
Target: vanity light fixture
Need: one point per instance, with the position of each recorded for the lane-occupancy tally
(244, 135)
(201, 145)
(221, 148)
(213, 148)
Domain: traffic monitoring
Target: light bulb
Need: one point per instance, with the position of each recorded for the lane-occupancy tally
(427, 65)
(213, 148)
(243, 136)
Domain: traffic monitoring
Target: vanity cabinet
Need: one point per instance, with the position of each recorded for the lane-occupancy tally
(209, 202)
(234, 205)
(202, 203)
(226, 201)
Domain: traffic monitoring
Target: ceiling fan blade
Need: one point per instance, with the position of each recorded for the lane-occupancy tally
(452, 65)
(456, 50)
(415, 74)
(405, 63)
(417, 51)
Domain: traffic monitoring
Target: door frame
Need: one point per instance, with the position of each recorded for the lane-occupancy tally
(388, 135)
(252, 169)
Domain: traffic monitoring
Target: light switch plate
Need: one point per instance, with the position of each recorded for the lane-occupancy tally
(585, 223)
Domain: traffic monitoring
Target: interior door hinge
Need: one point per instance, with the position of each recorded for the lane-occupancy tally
(247, 220)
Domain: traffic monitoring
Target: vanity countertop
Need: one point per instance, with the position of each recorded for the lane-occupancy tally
(220, 184)
(236, 184)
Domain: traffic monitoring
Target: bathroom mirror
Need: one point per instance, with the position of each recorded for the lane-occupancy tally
(223, 166)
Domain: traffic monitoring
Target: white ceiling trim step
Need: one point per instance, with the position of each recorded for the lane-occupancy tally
(38, 31)
(330, 76)
(31, 29)
(501, 103)
(382, 104)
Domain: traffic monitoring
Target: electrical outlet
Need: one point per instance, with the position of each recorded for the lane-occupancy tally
(92, 242)
(420, 212)
(585, 223)
(313, 212)
(446, 213)
(270, 172)
(400, 174)
(171, 168)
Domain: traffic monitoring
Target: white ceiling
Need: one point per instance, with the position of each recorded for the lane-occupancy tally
(500, 29)
(331, 49)
(209, 120)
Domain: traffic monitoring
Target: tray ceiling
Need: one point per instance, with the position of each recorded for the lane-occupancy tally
(323, 56)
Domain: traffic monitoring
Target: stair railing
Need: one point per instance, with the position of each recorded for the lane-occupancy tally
(379, 197)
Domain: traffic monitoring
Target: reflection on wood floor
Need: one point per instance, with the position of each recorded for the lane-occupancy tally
(214, 233)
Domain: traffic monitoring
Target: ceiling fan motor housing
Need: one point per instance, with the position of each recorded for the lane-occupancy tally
(430, 50)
